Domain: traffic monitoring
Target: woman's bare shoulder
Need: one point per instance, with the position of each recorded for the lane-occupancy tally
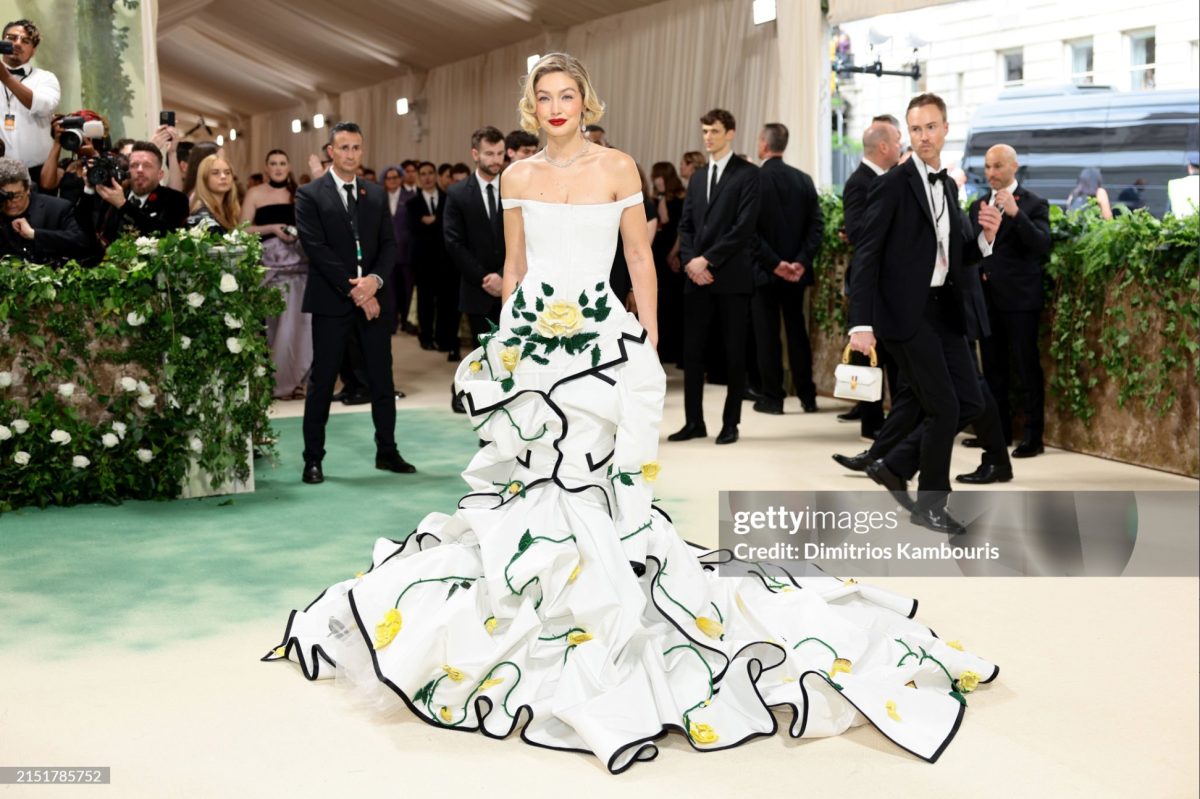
(516, 178)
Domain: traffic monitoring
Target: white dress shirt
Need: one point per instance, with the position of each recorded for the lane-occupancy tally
(431, 201)
(393, 200)
(29, 140)
(719, 166)
(483, 184)
(874, 167)
(984, 247)
(341, 190)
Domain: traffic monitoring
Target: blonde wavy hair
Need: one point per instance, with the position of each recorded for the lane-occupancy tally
(226, 210)
(593, 107)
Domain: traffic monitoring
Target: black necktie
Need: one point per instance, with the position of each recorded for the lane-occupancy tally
(934, 177)
(432, 204)
(19, 71)
(712, 188)
(350, 202)
(491, 201)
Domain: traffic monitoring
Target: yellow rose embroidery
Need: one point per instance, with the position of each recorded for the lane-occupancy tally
(358, 575)
(910, 684)
(579, 637)
(968, 681)
(509, 357)
(453, 673)
(514, 487)
(490, 624)
(280, 651)
(703, 734)
(849, 581)
(955, 645)
(386, 630)
(486, 684)
(561, 318)
(840, 665)
(446, 715)
(891, 711)
(711, 628)
(575, 572)
(475, 366)
(650, 471)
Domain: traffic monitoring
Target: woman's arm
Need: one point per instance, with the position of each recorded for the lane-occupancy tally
(1105, 205)
(636, 239)
(514, 252)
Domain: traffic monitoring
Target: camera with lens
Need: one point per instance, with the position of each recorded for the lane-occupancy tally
(78, 131)
(104, 169)
(5, 196)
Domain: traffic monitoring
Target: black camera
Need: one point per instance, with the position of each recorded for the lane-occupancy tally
(6, 47)
(104, 169)
(5, 196)
(77, 131)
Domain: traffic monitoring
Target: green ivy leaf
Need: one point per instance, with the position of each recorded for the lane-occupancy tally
(595, 357)
(525, 542)
(548, 290)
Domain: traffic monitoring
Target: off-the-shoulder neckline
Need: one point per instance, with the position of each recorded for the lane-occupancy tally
(577, 205)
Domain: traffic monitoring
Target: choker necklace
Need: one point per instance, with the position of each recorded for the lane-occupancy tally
(560, 164)
(277, 184)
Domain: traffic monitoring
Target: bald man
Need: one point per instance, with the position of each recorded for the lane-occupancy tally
(1012, 286)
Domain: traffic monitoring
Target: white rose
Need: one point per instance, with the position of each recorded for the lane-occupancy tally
(5, 379)
(198, 231)
(228, 283)
(128, 384)
(20, 425)
(5, 433)
(142, 387)
(260, 371)
(184, 342)
(119, 428)
(233, 237)
(174, 403)
(146, 400)
(60, 436)
(232, 323)
(21, 458)
(196, 444)
(145, 455)
(80, 462)
(195, 300)
(66, 389)
(234, 345)
(135, 319)
(147, 245)
(109, 440)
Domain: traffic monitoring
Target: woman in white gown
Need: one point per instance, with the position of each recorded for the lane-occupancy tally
(557, 599)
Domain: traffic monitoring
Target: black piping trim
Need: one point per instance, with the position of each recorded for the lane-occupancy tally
(594, 465)
(528, 458)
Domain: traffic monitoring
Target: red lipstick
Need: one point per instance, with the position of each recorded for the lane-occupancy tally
(557, 122)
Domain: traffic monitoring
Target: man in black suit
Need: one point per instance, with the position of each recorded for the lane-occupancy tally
(437, 302)
(910, 287)
(881, 152)
(1012, 284)
(149, 208)
(474, 232)
(789, 235)
(717, 233)
(346, 231)
(36, 227)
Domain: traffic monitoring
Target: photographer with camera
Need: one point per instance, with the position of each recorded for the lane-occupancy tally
(148, 208)
(33, 226)
(30, 95)
(82, 136)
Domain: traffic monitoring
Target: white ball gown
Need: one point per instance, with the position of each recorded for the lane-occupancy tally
(558, 601)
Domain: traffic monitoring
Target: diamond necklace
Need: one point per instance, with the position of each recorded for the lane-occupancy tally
(560, 164)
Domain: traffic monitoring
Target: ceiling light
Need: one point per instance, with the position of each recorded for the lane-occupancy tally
(764, 11)
(297, 126)
(220, 141)
(318, 121)
(402, 106)
(233, 134)
(531, 61)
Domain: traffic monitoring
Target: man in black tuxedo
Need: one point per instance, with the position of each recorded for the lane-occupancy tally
(1012, 284)
(881, 152)
(789, 235)
(437, 301)
(346, 231)
(474, 232)
(149, 208)
(36, 227)
(717, 233)
(910, 287)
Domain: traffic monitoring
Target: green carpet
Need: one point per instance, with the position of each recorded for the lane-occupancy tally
(141, 574)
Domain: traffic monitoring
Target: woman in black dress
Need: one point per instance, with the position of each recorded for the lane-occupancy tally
(668, 191)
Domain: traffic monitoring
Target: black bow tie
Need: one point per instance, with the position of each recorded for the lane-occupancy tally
(934, 177)
(19, 71)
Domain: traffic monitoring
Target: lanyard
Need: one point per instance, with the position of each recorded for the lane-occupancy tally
(9, 95)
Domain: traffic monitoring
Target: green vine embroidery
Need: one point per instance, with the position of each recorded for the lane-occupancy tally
(955, 688)
(445, 716)
(528, 540)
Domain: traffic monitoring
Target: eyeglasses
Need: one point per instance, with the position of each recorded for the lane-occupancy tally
(13, 37)
(13, 196)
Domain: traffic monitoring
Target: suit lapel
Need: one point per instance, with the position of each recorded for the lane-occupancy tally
(914, 182)
(334, 197)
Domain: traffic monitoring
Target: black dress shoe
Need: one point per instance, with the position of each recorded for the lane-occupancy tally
(938, 520)
(453, 356)
(312, 472)
(752, 395)
(339, 396)
(972, 443)
(1027, 449)
(427, 345)
(855, 463)
(728, 434)
(987, 473)
(897, 486)
(769, 406)
(809, 405)
(392, 462)
(400, 394)
(852, 415)
(409, 328)
(688, 431)
(357, 398)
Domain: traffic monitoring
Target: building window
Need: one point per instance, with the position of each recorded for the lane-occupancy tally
(1081, 54)
(1141, 60)
(1012, 68)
